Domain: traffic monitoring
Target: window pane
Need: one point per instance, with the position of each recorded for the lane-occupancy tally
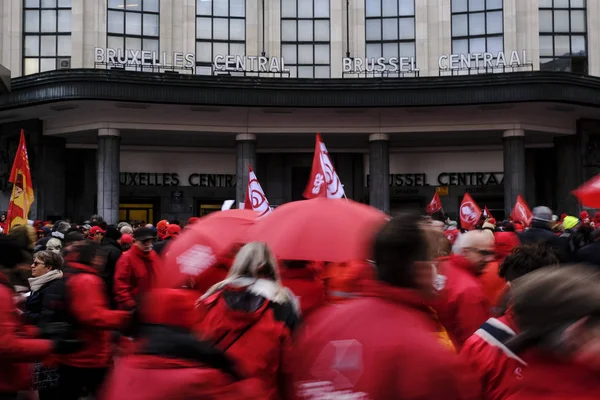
(220, 29)
(476, 24)
(237, 8)
(203, 28)
(133, 23)
(133, 5)
(460, 46)
(48, 21)
(32, 3)
(133, 44)
(203, 7)
(151, 24)
(459, 6)
(305, 31)
(321, 9)
(32, 21)
(577, 21)
(220, 49)
(561, 3)
(407, 7)
(561, 21)
(322, 54)
(204, 70)
(460, 26)
(150, 45)
(47, 64)
(293, 72)
(578, 45)
(322, 72)
(288, 8)
(288, 52)
(494, 22)
(151, 5)
(390, 50)
(477, 45)
(64, 21)
(562, 45)
(493, 4)
(545, 3)
(48, 45)
(221, 8)
(305, 54)
(374, 50)
(373, 29)
(390, 8)
(495, 44)
(390, 29)
(203, 51)
(546, 48)
(48, 3)
(237, 29)
(119, 4)
(305, 8)
(64, 45)
(322, 31)
(288, 30)
(305, 72)
(407, 28)
(373, 8)
(32, 45)
(407, 50)
(237, 49)
(32, 66)
(545, 21)
(115, 42)
(476, 5)
(577, 3)
(115, 22)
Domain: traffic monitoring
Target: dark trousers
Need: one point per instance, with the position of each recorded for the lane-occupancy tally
(74, 382)
(9, 396)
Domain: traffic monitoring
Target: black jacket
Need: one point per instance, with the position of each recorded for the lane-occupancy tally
(539, 232)
(35, 303)
(159, 247)
(114, 251)
(589, 254)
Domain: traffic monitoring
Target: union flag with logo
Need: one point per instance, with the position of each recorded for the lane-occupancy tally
(255, 196)
(435, 205)
(324, 181)
(22, 196)
(469, 212)
(487, 213)
(521, 212)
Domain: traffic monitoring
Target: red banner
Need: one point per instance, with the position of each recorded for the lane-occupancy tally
(470, 213)
(521, 212)
(435, 205)
(255, 196)
(588, 194)
(22, 192)
(324, 181)
(487, 213)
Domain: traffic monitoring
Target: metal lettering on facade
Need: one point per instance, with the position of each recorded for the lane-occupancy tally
(483, 60)
(381, 64)
(135, 58)
(173, 179)
(249, 64)
(446, 179)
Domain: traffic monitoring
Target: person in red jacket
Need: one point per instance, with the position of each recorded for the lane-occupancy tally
(382, 345)
(250, 316)
(305, 280)
(87, 308)
(499, 369)
(462, 306)
(136, 270)
(557, 312)
(169, 362)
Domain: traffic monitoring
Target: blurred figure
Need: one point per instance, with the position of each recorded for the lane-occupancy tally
(250, 316)
(557, 311)
(541, 228)
(97, 233)
(173, 231)
(462, 305)
(54, 245)
(343, 280)
(382, 345)
(110, 244)
(3, 222)
(306, 279)
(498, 368)
(126, 241)
(126, 229)
(85, 229)
(494, 287)
(161, 227)
(24, 236)
(590, 253)
(452, 232)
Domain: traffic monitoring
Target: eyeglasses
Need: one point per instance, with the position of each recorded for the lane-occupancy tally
(36, 263)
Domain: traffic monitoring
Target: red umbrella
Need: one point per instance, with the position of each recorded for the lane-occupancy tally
(205, 249)
(589, 193)
(321, 229)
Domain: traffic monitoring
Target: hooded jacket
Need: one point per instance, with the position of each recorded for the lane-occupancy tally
(134, 274)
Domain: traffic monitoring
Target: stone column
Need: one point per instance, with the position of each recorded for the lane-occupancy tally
(514, 167)
(108, 158)
(246, 154)
(379, 171)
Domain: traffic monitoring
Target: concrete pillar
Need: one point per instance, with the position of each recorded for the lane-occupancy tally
(379, 171)
(514, 167)
(569, 172)
(108, 158)
(246, 154)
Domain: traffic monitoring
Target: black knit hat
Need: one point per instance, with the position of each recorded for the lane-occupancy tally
(142, 234)
(112, 233)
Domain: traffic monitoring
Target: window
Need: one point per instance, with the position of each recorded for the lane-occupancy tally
(477, 27)
(390, 29)
(220, 31)
(305, 38)
(563, 35)
(46, 35)
(134, 25)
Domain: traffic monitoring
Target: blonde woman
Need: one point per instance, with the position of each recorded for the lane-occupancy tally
(250, 316)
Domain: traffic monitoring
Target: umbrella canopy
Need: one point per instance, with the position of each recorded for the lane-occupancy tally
(589, 193)
(334, 230)
(205, 249)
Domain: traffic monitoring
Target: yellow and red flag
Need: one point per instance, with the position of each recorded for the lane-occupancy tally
(22, 193)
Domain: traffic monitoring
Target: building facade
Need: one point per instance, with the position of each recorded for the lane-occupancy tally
(143, 109)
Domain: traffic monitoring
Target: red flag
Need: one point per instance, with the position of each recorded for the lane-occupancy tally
(255, 196)
(435, 205)
(324, 181)
(22, 193)
(470, 213)
(521, 212)
(588, 194)
(487, 213)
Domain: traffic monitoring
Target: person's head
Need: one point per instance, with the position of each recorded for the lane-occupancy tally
(570, 223)
(542, 215)
(557, 310)
(126, 241)
(255, 260)
(440, 245)
(112, 233)
(475, 246)
(149, 226)
(44, 262)
(86, 252)
(144, 238)
(85, 229)
(95, 219)
(54, 245)
(402, 254)
(2, 217)
(25, 235)
(504, 243)
(97, 233)
(173, 231)
(525, 259)
(126, 229)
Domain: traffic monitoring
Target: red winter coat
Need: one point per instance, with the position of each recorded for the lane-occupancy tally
(16, 352)
(307, 285)
(252, 330)
(499, 370)
(462, 306)
(134, 275)
(88, 306)
(381, 346)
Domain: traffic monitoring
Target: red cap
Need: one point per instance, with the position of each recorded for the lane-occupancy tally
(162, 225)
(584, 215)
(126, 238)
(95, 230)
(173, 230)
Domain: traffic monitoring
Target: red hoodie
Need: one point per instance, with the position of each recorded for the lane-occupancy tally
(134, 274)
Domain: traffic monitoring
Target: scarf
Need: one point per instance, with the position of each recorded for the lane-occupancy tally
(38, 282)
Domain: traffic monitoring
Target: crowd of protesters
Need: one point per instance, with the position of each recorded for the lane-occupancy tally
(499, 312)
